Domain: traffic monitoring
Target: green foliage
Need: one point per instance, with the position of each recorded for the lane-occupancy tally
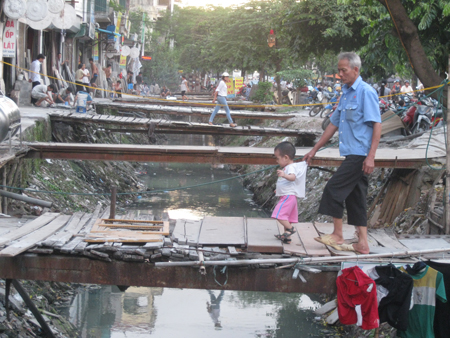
(298, 77)
(263, 93)
(116, 6)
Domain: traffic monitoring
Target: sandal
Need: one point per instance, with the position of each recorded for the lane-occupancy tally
(284, 238)
(291, 230)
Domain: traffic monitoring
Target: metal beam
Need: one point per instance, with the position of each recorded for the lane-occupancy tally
(385, 158)
(84, 270)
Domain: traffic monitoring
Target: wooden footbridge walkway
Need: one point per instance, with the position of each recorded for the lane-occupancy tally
(136, 250)
(150, 126)
(385, 157)
(188, 109)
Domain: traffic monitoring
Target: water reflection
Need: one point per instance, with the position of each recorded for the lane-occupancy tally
(106, 312)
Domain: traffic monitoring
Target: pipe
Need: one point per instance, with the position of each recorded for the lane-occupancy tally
(306, 260)
(26, 199)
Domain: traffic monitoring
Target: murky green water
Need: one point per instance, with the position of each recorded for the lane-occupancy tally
(161, 312)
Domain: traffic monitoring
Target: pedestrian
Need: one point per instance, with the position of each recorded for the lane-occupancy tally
(165, 92)
(118, 88)
(35, 76)
(79, 75)
(108, 71)
(396, 87)
(130, 82)
(221, 95)
(384, 91)
(359, 122)
(139, 83)
(64, 95)
(290, 186)
(86, 78)
(94, 71)
(184, 88)
(41, 93)
(406, 88)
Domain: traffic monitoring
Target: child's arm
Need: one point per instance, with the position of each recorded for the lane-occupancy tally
(289, 177)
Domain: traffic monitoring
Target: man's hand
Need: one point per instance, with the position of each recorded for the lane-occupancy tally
(368, 165)
(309, 156)
(29, 80)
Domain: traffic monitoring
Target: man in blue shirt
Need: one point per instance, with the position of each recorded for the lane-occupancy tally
(358, 120)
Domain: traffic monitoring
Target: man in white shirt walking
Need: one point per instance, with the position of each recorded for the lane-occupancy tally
(35, 69)
(221, 96)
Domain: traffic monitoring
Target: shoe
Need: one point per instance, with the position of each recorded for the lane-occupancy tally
(233, 125)
(291, 230)
(345, 247)
(210, 123)
(326, 239)
(284, 238)
(52, 105)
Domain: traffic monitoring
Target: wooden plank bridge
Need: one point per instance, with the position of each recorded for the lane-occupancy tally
(189, 108)
(145, 125)
(91, 248)
(385, 157)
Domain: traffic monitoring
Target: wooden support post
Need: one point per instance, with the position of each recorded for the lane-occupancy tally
(112, 213)
(5, 200)
(447, 166)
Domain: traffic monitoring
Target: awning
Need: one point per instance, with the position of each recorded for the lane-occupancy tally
(108, 32)
(336, 76)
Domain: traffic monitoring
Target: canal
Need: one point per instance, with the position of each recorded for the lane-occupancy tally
(106, 312)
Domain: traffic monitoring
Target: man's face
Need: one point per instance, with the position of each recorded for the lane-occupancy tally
(406, 84)
(347, 74)
(41, 60)
(83, 66)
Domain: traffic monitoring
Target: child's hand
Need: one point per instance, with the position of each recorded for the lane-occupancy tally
(280, 173)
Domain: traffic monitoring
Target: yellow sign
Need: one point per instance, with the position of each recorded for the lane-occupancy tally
(95, 48)
(123, 62)
(119, 19)
(238, 83)
(230, 88)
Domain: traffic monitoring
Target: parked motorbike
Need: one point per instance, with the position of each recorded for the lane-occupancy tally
(326, 120)
(316, 97)
(422, 116)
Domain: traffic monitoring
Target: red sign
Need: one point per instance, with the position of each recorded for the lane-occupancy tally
(148, 58)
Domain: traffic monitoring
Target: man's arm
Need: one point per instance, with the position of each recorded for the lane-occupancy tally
(369, 162)
(327, 134)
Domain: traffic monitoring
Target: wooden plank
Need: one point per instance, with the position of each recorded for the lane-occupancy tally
(222, 231)
(187, 231)
(29, 241)
(178, 233)
(385, 240)
(28, 227)
(87, 228)
(131, 226)
(307, 233)
(296, 247)
(260, 236)
(56, 238)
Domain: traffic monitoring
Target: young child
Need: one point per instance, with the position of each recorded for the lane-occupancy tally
(290, 186)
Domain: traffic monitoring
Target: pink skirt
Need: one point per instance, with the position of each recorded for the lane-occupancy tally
(286, 209)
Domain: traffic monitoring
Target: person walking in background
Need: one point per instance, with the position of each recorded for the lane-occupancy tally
(184, 88)
(34, 74)
(290, 186)
(108, 71)
(406, 88)
(213, 307)
(221, 96)
(86, 78)
(359, 122)
(94, 71)
(79, 75)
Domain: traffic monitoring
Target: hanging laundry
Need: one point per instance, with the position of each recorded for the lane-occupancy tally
(394, 308)
(442, 314)
(428, 285)
(357, 299)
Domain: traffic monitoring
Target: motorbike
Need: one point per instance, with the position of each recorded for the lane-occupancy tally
(326, 120)
(315, 97)
(422, 116)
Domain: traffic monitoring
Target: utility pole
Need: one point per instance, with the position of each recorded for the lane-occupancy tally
(447, 162)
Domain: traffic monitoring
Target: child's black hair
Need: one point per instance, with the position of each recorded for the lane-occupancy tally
(286, 148)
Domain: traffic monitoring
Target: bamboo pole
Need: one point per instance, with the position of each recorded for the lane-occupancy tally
(307, 260)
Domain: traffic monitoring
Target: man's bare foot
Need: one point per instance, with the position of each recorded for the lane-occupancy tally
(361, 248)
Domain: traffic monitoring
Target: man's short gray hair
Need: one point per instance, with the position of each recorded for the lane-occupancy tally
(353, 59)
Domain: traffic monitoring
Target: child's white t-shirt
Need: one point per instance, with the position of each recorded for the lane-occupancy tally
(296, 187)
